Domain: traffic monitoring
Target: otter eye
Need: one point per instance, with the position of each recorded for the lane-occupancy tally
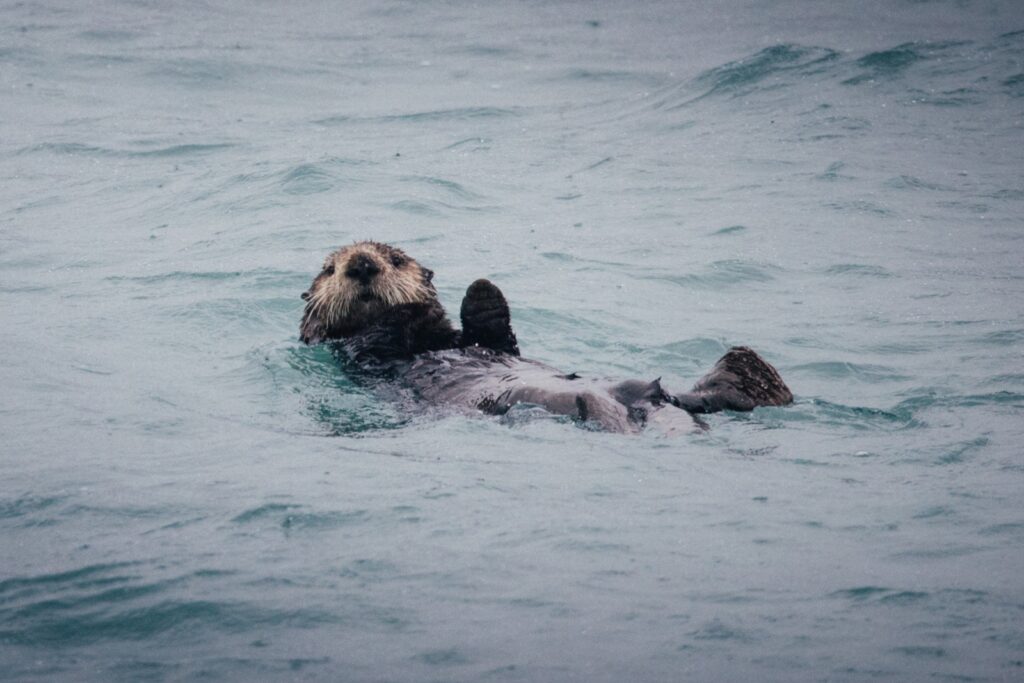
(329, 270)
(397, 261)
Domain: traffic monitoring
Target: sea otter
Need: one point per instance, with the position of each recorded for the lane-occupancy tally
(381, 307)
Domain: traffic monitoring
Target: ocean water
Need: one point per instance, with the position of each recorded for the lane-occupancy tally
(187, 492)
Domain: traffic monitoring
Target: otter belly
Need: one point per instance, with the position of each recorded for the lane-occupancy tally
(480, 379)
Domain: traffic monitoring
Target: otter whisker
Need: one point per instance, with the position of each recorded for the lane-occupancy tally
(328, 307)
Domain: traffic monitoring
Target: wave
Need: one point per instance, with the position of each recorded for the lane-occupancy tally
(938, 73)
(886, 63)
(740, 76)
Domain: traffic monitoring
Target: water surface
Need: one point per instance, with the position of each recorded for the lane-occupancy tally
(190, 493)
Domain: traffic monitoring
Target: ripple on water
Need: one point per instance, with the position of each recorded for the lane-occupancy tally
(605, 76)
(918, 651)
(699, 349)
(563, 257)
(292, 517)
(1012, 194)
(263, 511)
(933, 399)
(170, 151)
(265, 278)
(848, 417)
(833, 172)
(311, 177)
(193, 72)
(473, 144)
(908, 347)
(431, 116)
(935, 511)
(861, 372)
(325, 393)
(115, 602)
(966, 605)
(449, 187)
(307, 179)
(859, 206)
(436, 209)
(324, 520)
(109, 35)
(859, 270)
(730, 230)
(860, 593)
(1003, 337)
(718, 630)
(117, 616)
(960, 451)
(722, 274)
(446, 657)
(436, 197)
(908, 182)
(27, 505)
(1014, 85)
(17, 588)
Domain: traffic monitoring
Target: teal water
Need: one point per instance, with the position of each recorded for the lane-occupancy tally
(189, 493)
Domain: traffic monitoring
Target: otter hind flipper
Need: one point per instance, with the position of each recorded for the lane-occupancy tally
(741, 380)
(486, 320)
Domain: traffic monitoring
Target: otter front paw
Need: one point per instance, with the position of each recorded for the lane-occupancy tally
(486, 320)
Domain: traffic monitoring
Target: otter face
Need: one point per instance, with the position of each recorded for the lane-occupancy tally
(357, 285)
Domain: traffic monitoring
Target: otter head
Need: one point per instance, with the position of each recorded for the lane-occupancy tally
(359, 284)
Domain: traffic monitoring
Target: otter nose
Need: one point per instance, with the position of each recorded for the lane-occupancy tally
(362, 268)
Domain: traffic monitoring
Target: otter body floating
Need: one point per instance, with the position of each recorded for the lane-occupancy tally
(381, 306)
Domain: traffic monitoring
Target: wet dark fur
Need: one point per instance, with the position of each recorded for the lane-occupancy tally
(381, 307)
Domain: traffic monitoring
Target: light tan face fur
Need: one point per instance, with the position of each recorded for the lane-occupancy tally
(363, 280)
